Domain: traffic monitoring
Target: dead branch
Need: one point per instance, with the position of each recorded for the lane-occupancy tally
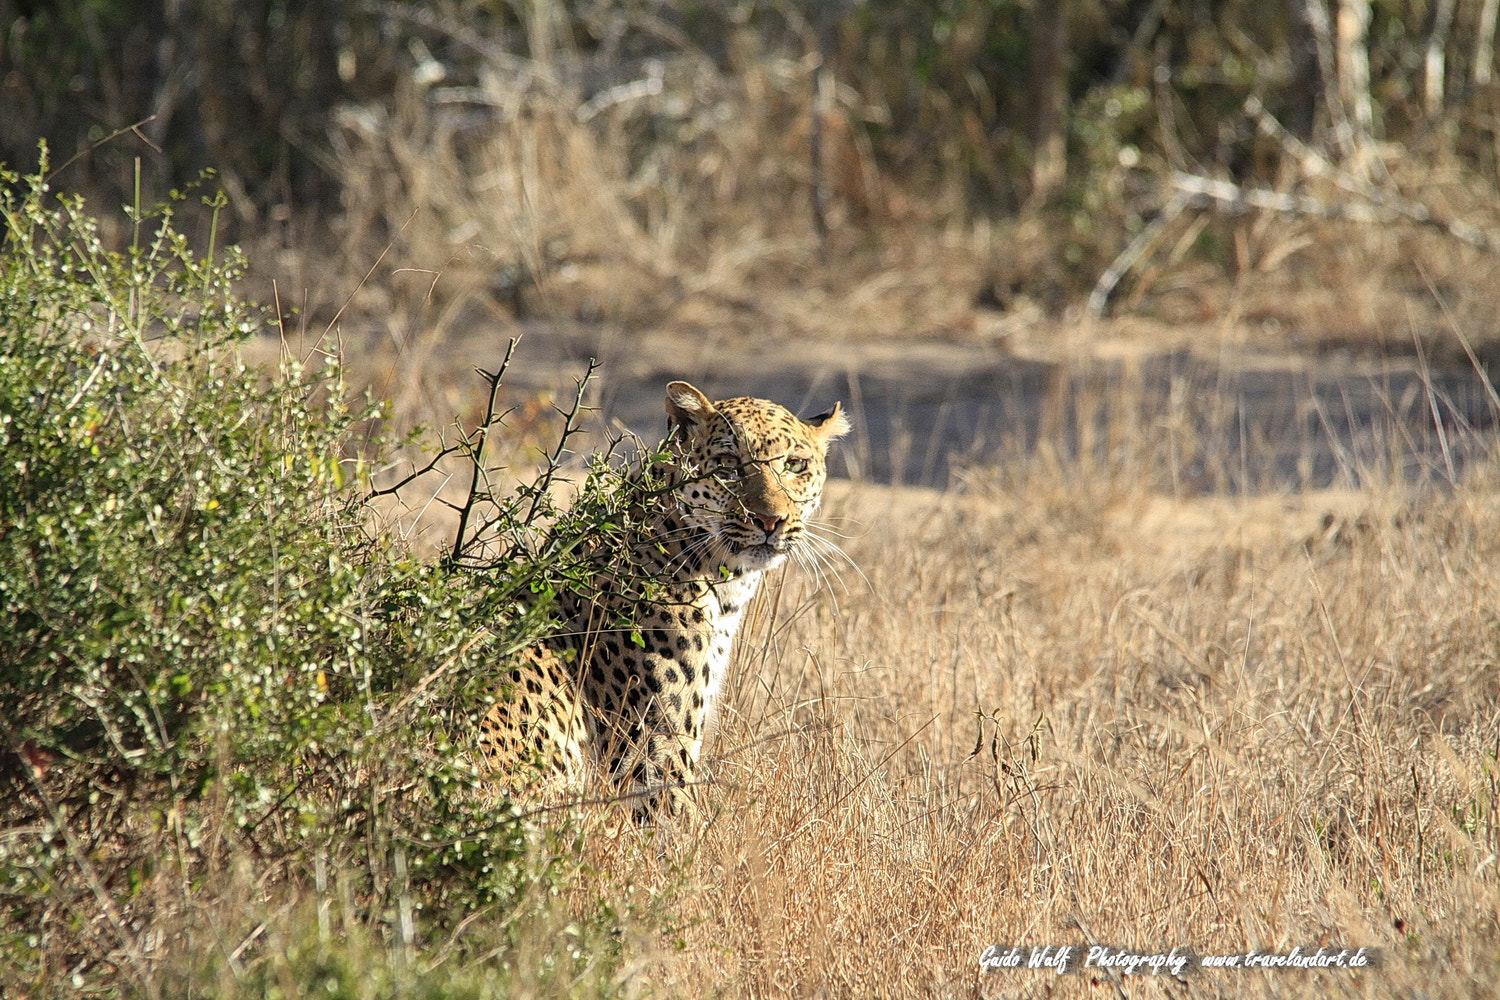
(1370, 204)
(474, 448)
(1314, 164)
(1233, 197)
(1105, 286)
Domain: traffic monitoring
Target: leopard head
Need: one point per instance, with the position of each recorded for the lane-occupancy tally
(749, 474)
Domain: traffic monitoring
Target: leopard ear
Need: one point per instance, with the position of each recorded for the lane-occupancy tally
(687, 407)
(831, 425)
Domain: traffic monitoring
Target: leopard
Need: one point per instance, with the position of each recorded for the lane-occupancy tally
(626, 687)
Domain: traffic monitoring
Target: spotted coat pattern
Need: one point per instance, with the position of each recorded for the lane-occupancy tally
(629, 684)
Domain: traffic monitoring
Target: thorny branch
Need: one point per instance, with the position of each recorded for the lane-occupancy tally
(473, 446)
(570, 429)
(470, 444)
(472, 526)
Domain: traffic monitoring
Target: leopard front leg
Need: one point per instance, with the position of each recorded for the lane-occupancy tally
(674, 766)
(655, 766)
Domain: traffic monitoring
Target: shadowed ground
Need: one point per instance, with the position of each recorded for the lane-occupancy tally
(923, 412)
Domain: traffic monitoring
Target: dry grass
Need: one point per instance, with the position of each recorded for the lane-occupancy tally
(1062, 705)
(686, 205)
(1218, 724)
(1057, 707)
(1064, 708)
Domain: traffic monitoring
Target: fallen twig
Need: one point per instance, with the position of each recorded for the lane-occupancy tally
(1105, 286)
(1372, 204)
(1315, 164)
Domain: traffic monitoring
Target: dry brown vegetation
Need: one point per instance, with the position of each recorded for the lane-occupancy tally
(467, 169)
(1061, 708)
(680, 200)
(1065, 703)
(1062, 704)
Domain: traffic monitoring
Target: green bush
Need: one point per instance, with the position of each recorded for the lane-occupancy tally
(211, 664)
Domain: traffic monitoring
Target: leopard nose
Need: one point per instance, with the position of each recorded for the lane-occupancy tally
(770, 522)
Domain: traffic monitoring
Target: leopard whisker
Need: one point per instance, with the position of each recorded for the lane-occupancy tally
(813, 564)
(830, 548)
(673, 534)
(832, 570)
(826, 524)
(699, 543)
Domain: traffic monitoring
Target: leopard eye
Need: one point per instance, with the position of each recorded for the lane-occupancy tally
(796, 465)
(725, 468)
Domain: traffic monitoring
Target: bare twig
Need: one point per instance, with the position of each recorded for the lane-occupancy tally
(524, 72)
(1239, 198)
(648, 86)
(1315, 164)
(1105, 286)
(1374, 204)
(433, 675)
(570, 428)
(473, 445)
(418, 473)
(134, 128)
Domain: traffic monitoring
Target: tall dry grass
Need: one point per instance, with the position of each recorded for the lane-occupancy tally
(1059, 707)
(1064, 704)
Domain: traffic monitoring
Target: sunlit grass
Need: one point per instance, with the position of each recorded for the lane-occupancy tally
(1075, 711)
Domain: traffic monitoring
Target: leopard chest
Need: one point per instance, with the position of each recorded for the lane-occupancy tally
(669, 670)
